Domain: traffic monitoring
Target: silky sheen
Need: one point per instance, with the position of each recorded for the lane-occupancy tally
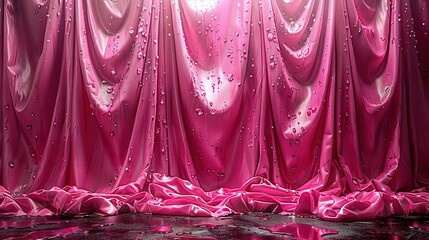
(210, 108)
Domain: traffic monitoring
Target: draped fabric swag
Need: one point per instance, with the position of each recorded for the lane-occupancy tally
(216, 107)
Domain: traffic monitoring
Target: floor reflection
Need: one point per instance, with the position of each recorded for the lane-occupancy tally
(251, 226)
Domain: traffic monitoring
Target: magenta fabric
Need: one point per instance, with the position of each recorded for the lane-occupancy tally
(209, 108)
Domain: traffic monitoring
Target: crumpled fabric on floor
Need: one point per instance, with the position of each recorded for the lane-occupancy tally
(209, 108)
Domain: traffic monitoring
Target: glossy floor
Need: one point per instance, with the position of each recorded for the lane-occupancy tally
(252, 226)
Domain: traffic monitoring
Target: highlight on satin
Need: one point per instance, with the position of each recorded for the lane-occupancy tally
(210, 108)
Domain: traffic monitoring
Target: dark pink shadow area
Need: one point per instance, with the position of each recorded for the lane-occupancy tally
(57, 233)
(214, 107)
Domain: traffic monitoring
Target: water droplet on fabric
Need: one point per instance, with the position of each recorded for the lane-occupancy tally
(11, 164)
(199, 111)
(270, 36)
(109, 90)
(306, 51)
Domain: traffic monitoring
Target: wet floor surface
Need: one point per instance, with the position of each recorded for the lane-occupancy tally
(251, 226)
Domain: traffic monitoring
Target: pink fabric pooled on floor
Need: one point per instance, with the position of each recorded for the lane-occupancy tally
(209, 108)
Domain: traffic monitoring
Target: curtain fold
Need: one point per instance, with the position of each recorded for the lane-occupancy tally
(209, 108)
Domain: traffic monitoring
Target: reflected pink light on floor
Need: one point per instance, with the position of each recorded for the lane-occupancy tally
(212, 108)
(300, 230)
(64, 232)
(162, 229)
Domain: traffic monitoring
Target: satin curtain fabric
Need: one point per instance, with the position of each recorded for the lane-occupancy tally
(208, 108)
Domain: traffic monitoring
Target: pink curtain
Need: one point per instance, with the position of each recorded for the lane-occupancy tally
(207, 108)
